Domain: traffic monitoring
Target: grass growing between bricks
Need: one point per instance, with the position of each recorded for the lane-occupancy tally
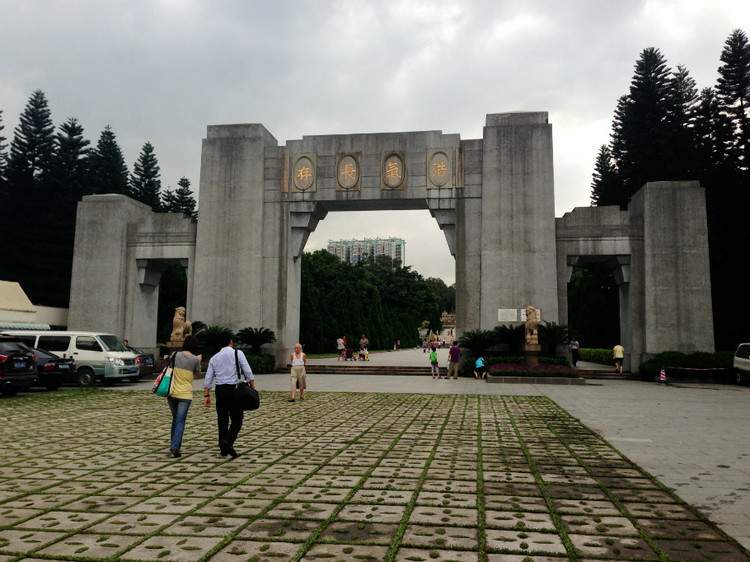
(86, 474)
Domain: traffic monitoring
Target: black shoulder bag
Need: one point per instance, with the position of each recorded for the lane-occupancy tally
(245, 396)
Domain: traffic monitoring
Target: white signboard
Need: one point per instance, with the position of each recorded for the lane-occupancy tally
(507, 315)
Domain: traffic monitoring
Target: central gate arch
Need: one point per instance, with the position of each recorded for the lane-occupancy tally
(493, 199)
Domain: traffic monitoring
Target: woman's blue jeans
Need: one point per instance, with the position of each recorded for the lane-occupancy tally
(179, 407)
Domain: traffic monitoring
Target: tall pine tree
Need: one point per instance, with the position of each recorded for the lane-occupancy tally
(733, 88)
(145, 185)
(33, 144)
(109, 173)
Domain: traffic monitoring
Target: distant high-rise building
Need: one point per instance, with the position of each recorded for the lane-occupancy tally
(354, 250)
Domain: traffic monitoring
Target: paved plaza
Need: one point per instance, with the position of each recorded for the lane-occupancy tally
(382, 468)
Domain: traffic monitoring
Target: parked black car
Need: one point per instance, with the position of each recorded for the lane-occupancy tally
(53, 370)
(17, 366)
(145, 363)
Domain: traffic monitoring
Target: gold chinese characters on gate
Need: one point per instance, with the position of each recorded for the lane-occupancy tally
(300, 172)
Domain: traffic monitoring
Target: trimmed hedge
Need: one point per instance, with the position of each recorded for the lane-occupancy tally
(699, 364)
(592, 355)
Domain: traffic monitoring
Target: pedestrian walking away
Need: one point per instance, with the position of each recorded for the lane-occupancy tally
(618, 354)
(187, 367)
(454, 354)
(223, 369)
(299, 377)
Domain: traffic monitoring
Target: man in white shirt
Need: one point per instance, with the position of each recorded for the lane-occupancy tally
(223, 368)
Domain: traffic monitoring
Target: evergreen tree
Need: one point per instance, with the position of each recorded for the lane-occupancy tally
(184, 201)
(640, 138)
(70, 164)
(27, 193)
(606, 186)
(109, 173)
(733, 88)
(145, 185)
(33, 144)
(679, 142)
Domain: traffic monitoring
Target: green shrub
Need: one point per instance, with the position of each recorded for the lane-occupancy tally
(263, 363)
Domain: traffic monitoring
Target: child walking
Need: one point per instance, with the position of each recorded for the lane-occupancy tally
(434, 363)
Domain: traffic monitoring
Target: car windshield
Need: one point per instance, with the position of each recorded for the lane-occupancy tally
(112, 343)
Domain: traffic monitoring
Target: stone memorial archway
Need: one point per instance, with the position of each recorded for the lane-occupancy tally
(493, 198)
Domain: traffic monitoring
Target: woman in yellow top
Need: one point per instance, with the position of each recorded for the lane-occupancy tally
(187, 366)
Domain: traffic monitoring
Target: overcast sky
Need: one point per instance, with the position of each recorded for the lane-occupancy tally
(162, 71)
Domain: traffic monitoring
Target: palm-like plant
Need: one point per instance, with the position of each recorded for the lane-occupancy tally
(512, 336)
(552, 334)
(211, 338)
(478, 341)
(256, 338)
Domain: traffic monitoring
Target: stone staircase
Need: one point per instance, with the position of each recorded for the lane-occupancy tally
(365, 368)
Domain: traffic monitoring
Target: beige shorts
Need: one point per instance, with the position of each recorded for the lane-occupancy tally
(299, 376)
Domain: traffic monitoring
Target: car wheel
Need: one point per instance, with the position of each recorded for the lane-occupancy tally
(10, 391)
(52, 385)
(86, 377)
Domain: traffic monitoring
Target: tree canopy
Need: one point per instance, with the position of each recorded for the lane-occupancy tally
(384, 303)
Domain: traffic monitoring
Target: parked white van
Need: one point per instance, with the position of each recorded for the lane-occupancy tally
(97, 356)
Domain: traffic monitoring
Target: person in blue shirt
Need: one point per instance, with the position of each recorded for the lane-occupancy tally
(480, 368)
(223, 369)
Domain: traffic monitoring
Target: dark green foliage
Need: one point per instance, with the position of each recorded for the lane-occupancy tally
(256, 338)
(478, 341)
(552, 335)
(145, 185)
(109, 172)
(512, 337)
(211, 337)
(596, 355)
(339, 299)
(180, 201)
(33, 144)
(263, 363)
(446, 295)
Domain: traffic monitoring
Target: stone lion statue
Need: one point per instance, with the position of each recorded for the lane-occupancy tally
(181, 328)
(532, 336)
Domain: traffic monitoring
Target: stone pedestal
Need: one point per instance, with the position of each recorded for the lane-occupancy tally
(531, 353)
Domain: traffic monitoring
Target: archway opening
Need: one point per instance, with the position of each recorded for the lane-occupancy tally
(377, 295)
(594, 305)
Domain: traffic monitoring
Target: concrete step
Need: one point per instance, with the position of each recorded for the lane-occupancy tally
(364, 368)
